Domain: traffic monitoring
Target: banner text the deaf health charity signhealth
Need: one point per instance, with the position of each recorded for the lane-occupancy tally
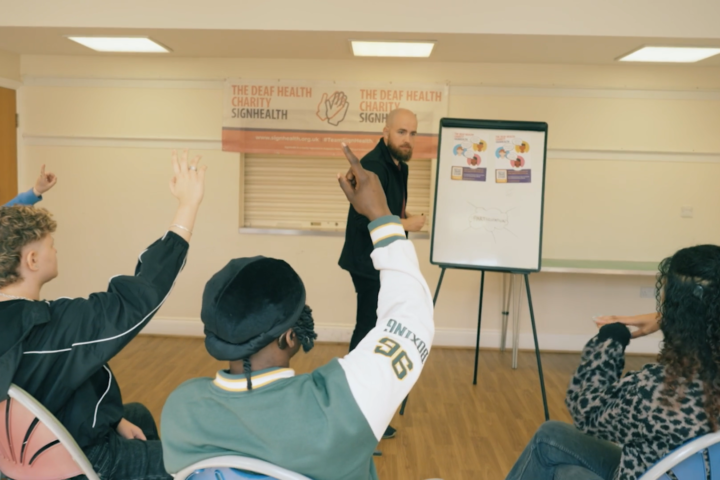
(312, 118)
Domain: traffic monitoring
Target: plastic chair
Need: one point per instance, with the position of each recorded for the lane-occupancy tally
(686, 462)
(34, 445)
(233, 467)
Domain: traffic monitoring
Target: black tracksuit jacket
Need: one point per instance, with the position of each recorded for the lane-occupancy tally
(58, 350)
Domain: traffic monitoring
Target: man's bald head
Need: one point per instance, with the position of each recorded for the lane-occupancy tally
(400, 115)
(399, 133)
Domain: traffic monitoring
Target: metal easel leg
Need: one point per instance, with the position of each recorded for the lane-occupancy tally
(517, 294)
(477, 339)
(537, 348)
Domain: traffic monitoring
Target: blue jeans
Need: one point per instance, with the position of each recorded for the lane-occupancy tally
(123, 459)
(559, 451)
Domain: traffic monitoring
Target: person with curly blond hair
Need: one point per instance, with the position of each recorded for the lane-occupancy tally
(626, 423)
(58, 350)
(21, 226)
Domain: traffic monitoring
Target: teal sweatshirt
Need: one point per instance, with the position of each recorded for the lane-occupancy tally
(326, 424)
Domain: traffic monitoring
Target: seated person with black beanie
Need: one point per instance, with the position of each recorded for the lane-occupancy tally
(58, 350)
(325, 424)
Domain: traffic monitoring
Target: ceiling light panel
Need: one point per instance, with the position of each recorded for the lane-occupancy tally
(671, 54)
(120, 44)
(391, 49)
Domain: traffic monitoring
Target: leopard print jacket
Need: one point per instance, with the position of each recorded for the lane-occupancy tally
(627, 410)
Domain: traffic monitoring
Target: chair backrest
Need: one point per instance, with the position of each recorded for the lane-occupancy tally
(34, 445)
(687, 462)
(233, 467)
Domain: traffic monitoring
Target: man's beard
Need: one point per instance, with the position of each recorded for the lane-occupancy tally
(397, 154)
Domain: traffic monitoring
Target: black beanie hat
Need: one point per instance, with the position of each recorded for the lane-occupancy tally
(248, 304)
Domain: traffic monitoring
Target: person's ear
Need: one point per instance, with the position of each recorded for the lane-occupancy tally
(30, 259)
(386, 132)
(291, 338)
(286, 340)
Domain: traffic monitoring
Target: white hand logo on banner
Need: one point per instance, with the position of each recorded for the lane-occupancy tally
(332, 109)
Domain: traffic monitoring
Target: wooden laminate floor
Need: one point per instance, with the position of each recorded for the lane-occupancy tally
(451, 430)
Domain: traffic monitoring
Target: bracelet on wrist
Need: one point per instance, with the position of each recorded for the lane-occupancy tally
(182, 228)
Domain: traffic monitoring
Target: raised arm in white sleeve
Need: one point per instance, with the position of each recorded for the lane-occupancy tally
(383, 368)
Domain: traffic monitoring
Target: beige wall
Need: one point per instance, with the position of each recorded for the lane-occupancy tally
(9, 66)
(97, 132)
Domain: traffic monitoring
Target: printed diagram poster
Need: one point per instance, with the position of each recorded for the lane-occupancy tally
(469, 157)
(312, 118)
(513, 159)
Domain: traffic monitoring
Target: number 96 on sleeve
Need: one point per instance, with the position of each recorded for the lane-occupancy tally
(401, 363)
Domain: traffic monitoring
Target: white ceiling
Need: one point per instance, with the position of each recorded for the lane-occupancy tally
(335, 45)
(606, 18)
(478, 31)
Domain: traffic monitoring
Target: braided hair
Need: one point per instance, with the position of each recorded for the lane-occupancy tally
(247, 369)
(688, 301)
(304, 331)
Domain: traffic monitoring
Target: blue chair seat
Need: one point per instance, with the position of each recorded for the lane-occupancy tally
(687, 462)
(235, 467)
(226, 474)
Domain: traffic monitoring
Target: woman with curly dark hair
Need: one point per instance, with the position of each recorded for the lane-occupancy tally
(625, 424)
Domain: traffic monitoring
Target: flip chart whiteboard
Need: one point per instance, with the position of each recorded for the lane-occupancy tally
(489, 191)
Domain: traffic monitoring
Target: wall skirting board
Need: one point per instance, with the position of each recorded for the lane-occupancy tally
(444, 337)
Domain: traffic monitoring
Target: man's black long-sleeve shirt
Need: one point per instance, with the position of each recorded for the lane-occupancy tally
(355, 256)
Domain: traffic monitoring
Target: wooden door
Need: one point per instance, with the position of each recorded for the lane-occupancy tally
(8, 146)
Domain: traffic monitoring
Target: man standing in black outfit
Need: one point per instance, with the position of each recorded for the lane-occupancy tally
(388, 160)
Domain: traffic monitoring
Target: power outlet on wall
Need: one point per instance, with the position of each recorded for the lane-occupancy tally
(647, 292)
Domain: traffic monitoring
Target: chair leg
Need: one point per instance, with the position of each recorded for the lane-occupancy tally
(507, 293)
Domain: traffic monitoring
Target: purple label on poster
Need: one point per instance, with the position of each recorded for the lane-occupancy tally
(470, 174)
(518, 176)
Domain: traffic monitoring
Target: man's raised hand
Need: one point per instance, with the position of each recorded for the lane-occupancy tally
(363, 189)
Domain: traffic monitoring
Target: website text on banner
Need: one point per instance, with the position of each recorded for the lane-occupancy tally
(312, 118)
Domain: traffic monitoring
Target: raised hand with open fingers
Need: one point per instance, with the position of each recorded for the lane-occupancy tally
(363, 189)
(188, 181)
(188, 186)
